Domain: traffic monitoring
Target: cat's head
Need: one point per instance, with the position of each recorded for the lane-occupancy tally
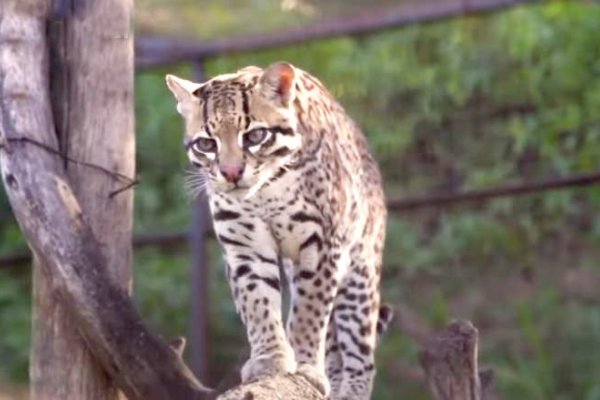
(240, 128)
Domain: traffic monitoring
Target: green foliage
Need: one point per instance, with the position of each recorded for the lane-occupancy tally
(162, 291)
(467, 103)
(15, 314)
(160, 202)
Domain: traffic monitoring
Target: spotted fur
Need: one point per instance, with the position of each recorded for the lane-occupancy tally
(289, 177)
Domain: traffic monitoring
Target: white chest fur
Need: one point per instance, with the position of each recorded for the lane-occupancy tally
(275, 206)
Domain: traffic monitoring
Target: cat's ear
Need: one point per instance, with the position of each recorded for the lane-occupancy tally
(184, 92)
(277, 83)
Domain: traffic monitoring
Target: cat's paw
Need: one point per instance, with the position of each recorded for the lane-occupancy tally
(316, 377)
(280, 362)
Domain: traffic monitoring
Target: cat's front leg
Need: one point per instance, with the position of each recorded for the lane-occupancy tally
(313, 286)
(253, 274)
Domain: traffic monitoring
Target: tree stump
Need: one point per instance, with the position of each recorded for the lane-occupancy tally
(449, 359)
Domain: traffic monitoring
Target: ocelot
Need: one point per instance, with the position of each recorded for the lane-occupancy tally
(290, 181)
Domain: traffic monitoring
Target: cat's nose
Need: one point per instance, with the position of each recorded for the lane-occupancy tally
(232, 172)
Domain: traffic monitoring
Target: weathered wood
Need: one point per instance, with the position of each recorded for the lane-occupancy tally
(93, 118)
(288, 387)
(58, 231)
(99, 127)
(450, 363)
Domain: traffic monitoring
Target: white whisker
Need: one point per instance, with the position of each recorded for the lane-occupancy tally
(195, 182)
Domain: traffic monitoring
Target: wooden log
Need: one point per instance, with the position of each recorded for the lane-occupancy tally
(288, 387)
(449, 359)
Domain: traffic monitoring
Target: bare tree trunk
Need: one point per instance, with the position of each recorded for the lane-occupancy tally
(91, 81)
(99, 122)
(61, 367)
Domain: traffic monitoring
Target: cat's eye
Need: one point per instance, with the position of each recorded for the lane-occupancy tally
(204, 145)
(254, 137)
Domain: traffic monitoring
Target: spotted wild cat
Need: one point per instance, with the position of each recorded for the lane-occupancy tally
(289, 177)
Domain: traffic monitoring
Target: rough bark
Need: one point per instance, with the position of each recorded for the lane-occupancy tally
(289, 387)
(60, 233)
(99, 126)
(449, 359)
(93, 120)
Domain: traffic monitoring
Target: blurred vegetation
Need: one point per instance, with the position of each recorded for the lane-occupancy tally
(467, 103)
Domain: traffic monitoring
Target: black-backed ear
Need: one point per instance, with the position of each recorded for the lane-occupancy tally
(277, 83)
(183, 90)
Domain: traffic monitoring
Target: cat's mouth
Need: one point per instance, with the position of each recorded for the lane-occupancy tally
(238, 187)
(245, 188)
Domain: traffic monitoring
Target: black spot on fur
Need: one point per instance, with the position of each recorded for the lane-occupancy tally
(248, 226)
(301, 216)
(306, 274)
(241, 271)
(224, 239)
(225, 215)
(312, 239)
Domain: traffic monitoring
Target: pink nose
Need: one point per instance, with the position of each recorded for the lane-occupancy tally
(232, 172)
